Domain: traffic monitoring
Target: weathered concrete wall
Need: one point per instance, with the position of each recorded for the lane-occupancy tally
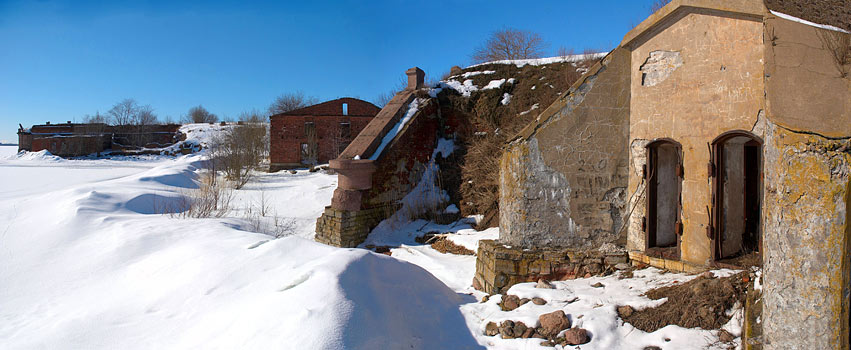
(717, 87)
(563, 181)
(807, 194)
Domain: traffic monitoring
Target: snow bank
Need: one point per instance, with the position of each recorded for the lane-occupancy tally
(93, 266)
(546, 60)
(803, 21)
(41, 156)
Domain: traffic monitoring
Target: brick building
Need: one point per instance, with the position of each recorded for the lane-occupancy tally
(318, 133)
(80, 139)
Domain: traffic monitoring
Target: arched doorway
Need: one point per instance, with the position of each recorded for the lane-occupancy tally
(663, 174)
(736, 171)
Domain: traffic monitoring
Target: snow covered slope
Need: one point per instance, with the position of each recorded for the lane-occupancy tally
(87, 263)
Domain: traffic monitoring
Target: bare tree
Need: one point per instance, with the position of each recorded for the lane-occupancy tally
(510, 44)
(124, 112)
(239, 150)
(290, 101)
(252, 116)
(658, 5)
(145, 116)
(94, 119)
(200, 114)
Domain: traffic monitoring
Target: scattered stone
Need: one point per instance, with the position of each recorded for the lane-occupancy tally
(544, 284)
(538, 301)
(725, 336)
(292, 172)
(524, 301)
(553, 323)
(598, 285)
(576, 336)
(707, 274)
(506, 329)
(485, 298)
(625, 311)
(519, 329)
(588, 275)
(528, 333)
(547, 343)
(510, 302)
(622, 266)
(652, 348)
(491, 329)
(313, 169)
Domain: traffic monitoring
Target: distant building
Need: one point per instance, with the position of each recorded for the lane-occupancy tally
(73, 139)
(318, 133)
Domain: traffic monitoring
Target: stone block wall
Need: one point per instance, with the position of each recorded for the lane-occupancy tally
(498, 267)
(345, 228)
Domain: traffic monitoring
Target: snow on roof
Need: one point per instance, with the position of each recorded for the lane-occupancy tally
(803, 21)
(547, 60)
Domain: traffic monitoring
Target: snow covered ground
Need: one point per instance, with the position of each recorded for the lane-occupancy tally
(86, 261)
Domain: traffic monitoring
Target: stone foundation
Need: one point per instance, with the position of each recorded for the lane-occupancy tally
(498, 267)
(346, 228)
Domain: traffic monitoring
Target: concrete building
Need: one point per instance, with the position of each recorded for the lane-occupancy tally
(318, 133)
(717, 134)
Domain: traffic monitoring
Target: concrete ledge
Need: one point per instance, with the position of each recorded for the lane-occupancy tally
(674, 265)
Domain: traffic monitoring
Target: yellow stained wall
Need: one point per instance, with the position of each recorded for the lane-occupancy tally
(718, 88)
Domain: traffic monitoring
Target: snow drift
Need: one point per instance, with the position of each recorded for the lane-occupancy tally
(92, 265)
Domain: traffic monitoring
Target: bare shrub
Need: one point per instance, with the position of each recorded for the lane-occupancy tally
(211, 199)
(510, 44)
(658, 5)
(199, 114)
(839, 46)
(238, 150)
(290, 101)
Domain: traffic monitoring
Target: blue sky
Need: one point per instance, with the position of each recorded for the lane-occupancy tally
(60, 60)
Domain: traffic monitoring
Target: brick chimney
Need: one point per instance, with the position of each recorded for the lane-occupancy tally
(416, 77)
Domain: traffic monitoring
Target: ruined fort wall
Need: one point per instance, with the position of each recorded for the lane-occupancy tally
(699, 76)
(563, 181)
(808, 191)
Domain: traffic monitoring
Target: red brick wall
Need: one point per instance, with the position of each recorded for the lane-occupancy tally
(406, 156)
(287, 131)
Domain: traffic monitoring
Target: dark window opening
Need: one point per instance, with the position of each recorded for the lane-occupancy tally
(737, 199)
(309, 129)
(345, 130)
(663, 174)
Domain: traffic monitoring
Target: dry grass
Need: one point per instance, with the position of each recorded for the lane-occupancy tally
(702, 302)
(494, 123)
(839, 46)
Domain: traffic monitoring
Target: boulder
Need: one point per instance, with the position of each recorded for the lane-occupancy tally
(538, 301)
(625, 311)
(553, 323)
(542, 283)
(576, 336)
(491, 329)
(510, 302)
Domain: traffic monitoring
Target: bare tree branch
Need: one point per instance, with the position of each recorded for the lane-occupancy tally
(510, 44)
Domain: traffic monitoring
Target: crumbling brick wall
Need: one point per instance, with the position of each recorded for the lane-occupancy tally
(287, 131)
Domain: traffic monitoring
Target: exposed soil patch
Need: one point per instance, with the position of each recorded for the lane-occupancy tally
(446, 246)
(702, 302)
(533, 89)
(832, 12)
